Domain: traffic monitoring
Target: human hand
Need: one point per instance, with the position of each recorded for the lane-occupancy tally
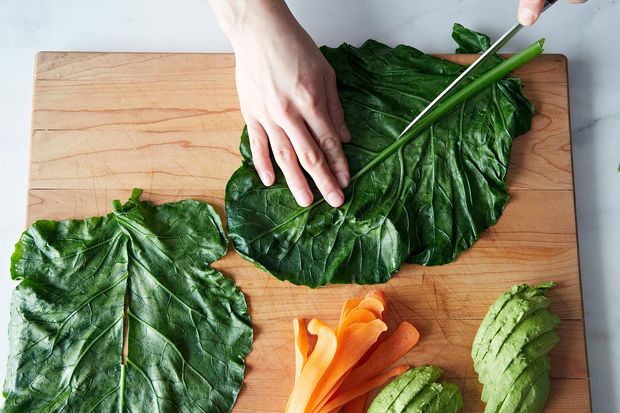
(289, 100)
(529, 10)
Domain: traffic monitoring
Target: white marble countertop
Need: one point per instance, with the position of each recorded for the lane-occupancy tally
(587, 34)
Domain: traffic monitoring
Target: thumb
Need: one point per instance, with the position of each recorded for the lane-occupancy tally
(529, 10)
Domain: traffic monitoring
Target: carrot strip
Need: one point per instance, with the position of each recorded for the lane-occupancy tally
(348, 305)
(372, 348)
(356, 316)
(374, 302)
(315, 367)
(301, 345)
(363, 388)
(329, 395)
(348, 361)
(404, 338)
(356, 405)
(347, 355)
(379, 295)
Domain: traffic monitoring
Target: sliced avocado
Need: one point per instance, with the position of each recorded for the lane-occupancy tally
(424, 376)
(538, 395)
(417, 391)
(450, 400)
(523, 385)
(396, 395)
(492, 314)
(386, 397)
(495, 391)
(503, 351)
(510, 350)
(516, 310)
(421, 402)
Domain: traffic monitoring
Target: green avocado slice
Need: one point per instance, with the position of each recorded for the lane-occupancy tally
(397, 395)
(510, 350)
(494, 310)
(450, 400)
(515, 311)
(538, 395)
(502, 350)
(495, 392)
(421, 402)
(385, 399)
(529, 381)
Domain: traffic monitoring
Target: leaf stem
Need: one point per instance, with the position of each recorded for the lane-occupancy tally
(121, 405)
(485, 80)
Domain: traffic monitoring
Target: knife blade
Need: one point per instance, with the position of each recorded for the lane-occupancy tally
(495, 47)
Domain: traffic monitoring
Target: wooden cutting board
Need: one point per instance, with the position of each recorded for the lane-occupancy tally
(104, 123)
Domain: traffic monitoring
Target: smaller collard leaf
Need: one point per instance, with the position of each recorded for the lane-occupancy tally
(144, 268)
(469, 41)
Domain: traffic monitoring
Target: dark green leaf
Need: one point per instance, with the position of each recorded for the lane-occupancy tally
(188, 328)
(421, 200)
(469, 41)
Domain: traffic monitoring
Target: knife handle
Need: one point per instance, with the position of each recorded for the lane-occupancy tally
(548, 3)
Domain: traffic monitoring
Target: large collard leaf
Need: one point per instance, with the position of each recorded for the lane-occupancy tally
(424, 204)
(141, 268)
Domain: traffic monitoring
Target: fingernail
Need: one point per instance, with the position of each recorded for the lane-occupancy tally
(304, 197)
(344, 132)
(266, 178)
(527, 17)
(343, 179)
(335, 198)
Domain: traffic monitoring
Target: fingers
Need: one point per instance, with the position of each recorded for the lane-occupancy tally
(334, 107)
(327, 139)
(284, 154)
(529, 10)
(259, 144)
(313, 159)
(304, 131)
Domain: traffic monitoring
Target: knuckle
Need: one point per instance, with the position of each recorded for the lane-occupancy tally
(284, 154)
(257, 144)
(310, 158)
(329, 143)
(313, 101)
(337, 111)
(284, 107)
(308, 97)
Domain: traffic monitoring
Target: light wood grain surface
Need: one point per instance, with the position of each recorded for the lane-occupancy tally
(104, 123)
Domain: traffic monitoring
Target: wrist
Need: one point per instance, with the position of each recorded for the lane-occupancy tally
(246, 21)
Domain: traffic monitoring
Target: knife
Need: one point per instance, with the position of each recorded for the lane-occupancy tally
(495, 47)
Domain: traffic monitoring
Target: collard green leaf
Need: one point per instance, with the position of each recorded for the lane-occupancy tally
(425, 203)
(469, 41)
(144, 268)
